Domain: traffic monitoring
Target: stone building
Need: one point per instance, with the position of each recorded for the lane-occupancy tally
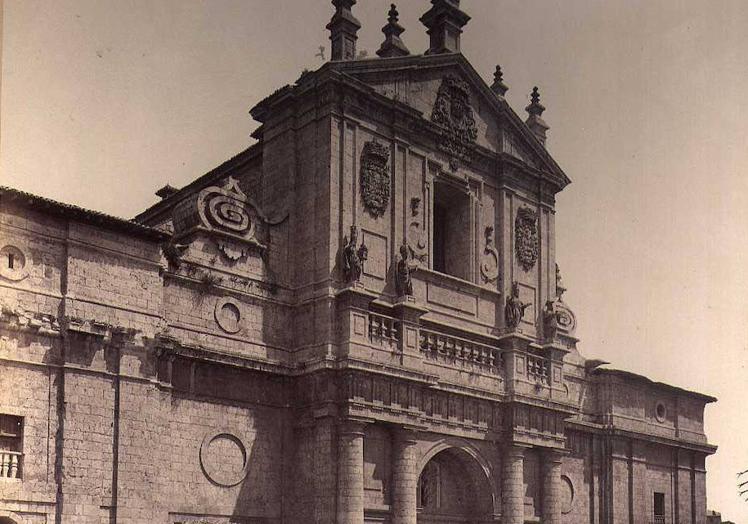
(359, 318)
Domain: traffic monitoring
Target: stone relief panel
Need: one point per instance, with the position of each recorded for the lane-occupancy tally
(454, 114)
(376, 263)
(375, 178)
(526, 239)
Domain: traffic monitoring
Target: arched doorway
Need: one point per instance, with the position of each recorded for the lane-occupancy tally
(453, 487)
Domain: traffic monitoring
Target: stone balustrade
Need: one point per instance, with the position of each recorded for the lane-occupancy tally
(10, 464)
(384, 330)
(538, 369)
(455, 350)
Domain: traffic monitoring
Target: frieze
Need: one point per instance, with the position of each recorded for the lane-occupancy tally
(526, 240)
(380, 392)
(453, 113)
(375, 178)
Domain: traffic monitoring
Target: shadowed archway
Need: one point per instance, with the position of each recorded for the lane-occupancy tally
(454, 485)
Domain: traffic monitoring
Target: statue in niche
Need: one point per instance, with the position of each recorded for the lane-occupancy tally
(550, 320)
(515, 308)
(489, 266)
(403, 282)
(417, 238)
(354, 257)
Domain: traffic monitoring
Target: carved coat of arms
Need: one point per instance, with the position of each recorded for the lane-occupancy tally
(452, 112)
(526, 237)
(375, 178)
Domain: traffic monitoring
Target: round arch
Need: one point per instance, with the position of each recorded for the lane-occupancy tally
(471, 457)
(8, 517)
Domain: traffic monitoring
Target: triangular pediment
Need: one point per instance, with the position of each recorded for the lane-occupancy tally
(421, 82)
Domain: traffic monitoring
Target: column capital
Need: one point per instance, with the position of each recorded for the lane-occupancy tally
(554, 455)
(407, 435)
(515, 449)
(353, 426)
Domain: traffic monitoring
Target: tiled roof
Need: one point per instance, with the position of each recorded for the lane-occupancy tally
(71, 212)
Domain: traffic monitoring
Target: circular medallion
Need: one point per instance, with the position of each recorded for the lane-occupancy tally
(224, 459)
(567, 494)
(660, 412)
(228, 315)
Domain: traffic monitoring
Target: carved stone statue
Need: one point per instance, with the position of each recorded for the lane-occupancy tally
(515, 308)
(403, 282)
(550, 320)
(559, 284)
(354, 257)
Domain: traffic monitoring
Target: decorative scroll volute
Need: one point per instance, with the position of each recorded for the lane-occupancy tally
(225, 213)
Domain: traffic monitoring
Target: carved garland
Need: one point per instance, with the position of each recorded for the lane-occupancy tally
(453, 113)
(375, 178)
(526, 237)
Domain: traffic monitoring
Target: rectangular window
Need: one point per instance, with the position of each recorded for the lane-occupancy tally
(659, 508)
(451, 231)
(11, 446)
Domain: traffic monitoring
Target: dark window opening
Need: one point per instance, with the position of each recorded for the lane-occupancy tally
(659, 505)
(10, 260)
(11, 446)
(440, 224)
(451, 231)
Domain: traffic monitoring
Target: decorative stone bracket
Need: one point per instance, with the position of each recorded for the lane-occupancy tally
(234, 222)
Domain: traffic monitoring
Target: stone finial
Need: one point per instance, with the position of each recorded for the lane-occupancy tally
(444, 23)
(498, 86)
(534, 121)
(392, 45)
(343, 28)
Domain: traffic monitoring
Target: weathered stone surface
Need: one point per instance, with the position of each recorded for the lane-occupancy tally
(258, 381)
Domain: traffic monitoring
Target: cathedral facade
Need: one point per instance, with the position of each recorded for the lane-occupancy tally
(357, 319)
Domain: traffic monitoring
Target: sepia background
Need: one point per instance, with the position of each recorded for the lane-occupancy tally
(103, 102)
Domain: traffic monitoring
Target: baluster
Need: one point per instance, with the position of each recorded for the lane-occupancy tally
(4, 464)
(13, 470)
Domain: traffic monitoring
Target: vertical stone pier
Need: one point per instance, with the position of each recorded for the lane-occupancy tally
(513, 485)
(404, 477)
(350, 472)
(551, 487)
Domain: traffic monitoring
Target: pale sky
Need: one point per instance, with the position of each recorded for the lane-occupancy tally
(103, 102)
